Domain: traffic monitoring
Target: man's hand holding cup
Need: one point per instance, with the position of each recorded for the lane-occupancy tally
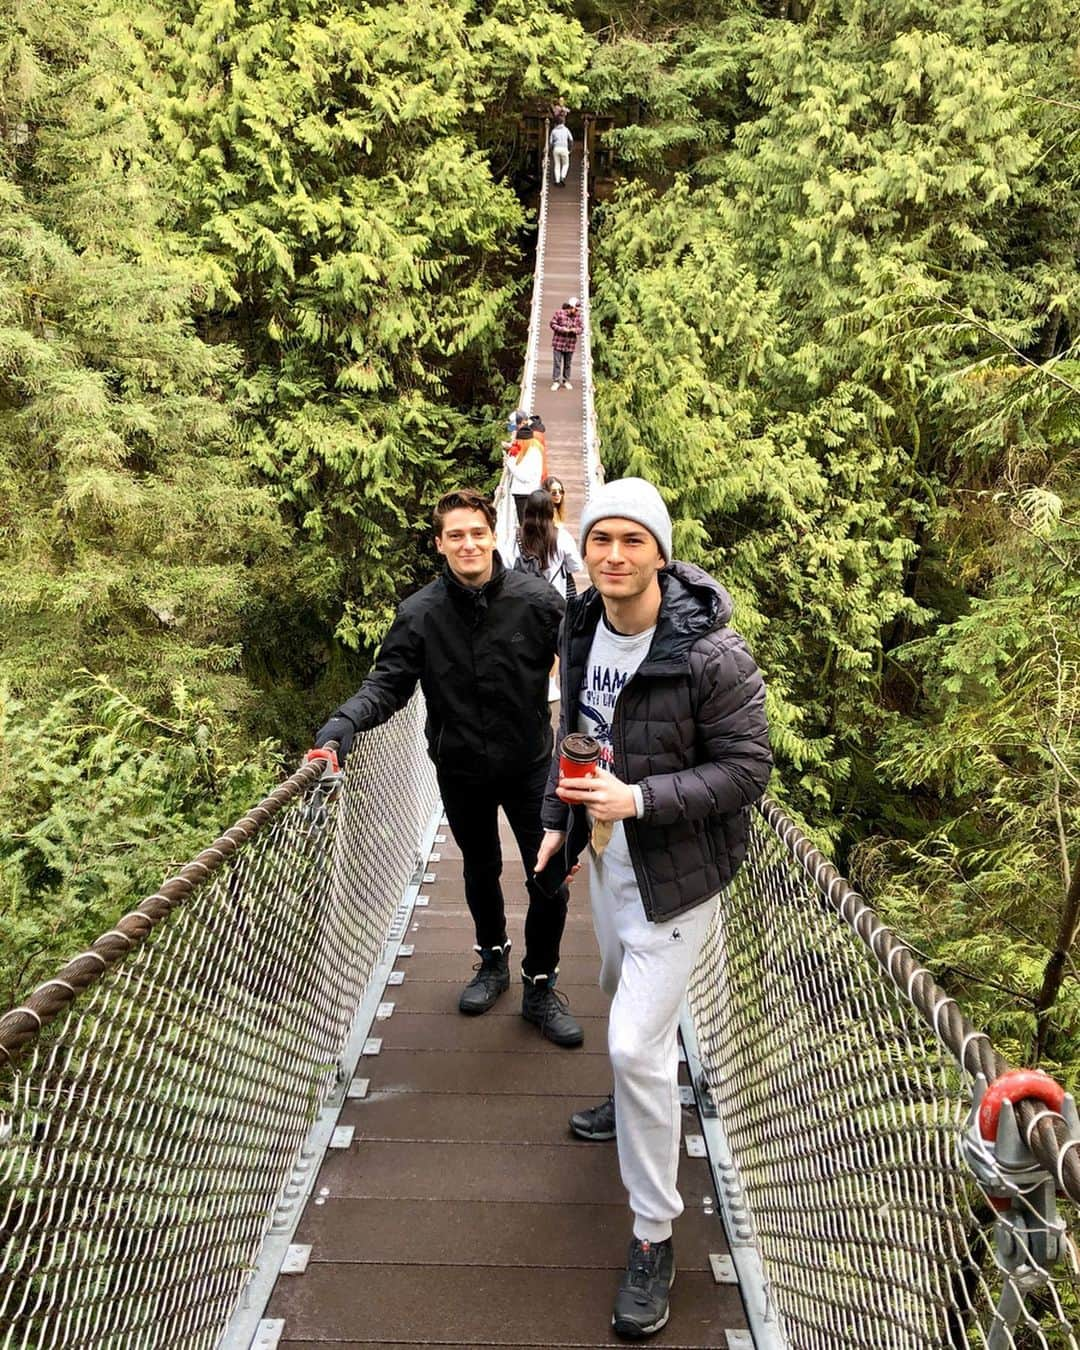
(582, 782)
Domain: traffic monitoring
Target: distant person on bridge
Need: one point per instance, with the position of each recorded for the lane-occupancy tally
(516, 419)
(559, 110)
(678, 706)
(526, 464)
(480, 639)
(562, 144)
(565, 330)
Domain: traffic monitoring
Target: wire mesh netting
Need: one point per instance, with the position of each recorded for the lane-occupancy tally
(505, 510)
(147, 1136)
(592, 468)
(844, 1114)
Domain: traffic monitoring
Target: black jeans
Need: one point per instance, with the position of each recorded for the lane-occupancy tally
(472, 808)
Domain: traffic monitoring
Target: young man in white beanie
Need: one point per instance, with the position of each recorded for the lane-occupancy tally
(651, 670)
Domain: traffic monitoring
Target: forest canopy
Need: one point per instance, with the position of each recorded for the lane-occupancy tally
(266, 272)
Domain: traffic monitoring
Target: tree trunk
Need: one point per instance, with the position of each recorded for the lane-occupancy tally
(1054, 972)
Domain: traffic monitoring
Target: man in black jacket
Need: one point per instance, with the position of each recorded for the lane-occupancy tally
(480, 640)
(651, 670)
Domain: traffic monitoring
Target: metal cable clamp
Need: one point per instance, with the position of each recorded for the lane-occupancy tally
(328, 787)
(1030, 1236)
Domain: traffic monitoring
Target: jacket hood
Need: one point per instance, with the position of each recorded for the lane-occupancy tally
(692, 598)
(692, 604)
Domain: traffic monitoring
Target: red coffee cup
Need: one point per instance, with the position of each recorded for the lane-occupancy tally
(578, 755)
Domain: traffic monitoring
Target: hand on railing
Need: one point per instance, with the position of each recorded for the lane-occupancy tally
(339, 731)
(328, 788)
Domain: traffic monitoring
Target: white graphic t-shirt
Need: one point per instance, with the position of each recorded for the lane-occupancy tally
(613, 659)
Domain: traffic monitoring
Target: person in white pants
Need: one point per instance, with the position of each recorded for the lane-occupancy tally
(652, 671)
(561, 143)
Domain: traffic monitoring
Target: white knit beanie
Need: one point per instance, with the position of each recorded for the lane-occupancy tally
(632, 499)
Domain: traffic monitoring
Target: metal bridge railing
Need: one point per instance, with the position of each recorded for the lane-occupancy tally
(147, 1129)
(592, 468)
(505, 511)
(844, 1079)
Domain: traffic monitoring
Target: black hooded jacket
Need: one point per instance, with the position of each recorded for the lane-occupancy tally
(482, 657)
(689, 729)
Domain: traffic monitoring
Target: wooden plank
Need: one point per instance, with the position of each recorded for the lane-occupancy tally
(417, 1232)
(488, 1305)
(420, 1031)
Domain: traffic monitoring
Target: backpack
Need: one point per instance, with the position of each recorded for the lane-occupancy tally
(525, 562)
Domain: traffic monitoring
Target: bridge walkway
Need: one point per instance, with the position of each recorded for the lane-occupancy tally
(464, 1213)
(560, 276)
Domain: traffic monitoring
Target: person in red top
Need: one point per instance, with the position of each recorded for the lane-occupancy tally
(565, 327)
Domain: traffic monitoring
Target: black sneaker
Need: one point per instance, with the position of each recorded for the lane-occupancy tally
(595, 1122)
(492, 978)
(544, 1006)
(641, 1305)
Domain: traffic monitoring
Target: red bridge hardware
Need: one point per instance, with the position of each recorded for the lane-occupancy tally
(1016, 1086)
(326, 753)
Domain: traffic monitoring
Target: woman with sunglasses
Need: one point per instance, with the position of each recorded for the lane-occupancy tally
(555, 490)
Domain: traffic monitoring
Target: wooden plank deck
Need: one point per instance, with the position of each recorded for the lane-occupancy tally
(563, 412)
(465, 1214)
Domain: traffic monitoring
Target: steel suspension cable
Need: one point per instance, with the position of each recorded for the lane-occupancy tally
(21, 1025)
(1045, 1131)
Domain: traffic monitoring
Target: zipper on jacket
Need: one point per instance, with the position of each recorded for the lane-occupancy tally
(631, 842)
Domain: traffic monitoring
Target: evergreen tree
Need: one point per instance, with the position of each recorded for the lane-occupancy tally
(831, 308)
(131, 532)
(334, 167)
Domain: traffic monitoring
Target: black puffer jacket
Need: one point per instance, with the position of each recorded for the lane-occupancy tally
(689, 730)
(482, 657)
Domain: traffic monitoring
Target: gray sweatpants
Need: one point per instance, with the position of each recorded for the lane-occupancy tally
(645, 967)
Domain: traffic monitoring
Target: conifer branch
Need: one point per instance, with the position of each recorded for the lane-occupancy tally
(984, 327)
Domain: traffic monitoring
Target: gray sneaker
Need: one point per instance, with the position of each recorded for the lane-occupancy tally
(641, 1305)
(595, 1122)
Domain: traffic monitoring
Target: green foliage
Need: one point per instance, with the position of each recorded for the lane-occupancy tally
(129, 526)
(259, 265)
(338, 197)
(101, 797)
(835, 304)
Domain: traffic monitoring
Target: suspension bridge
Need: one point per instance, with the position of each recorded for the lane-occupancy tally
(250, 1116)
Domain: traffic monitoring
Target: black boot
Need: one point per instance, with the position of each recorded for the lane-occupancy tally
(492, 978)
(545, 1007)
